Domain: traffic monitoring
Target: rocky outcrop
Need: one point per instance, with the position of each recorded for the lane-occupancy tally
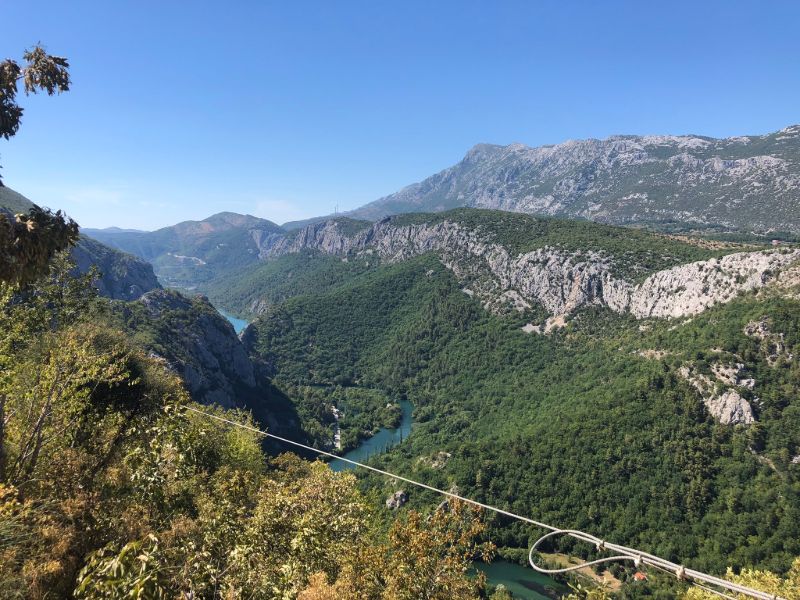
(726, 405)
(201, 346)
(773, 344)
(729, 408)
(553, 278)
(731, 374)
(122, 276)
(396, 500)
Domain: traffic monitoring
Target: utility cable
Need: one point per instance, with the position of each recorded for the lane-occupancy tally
(638, 557)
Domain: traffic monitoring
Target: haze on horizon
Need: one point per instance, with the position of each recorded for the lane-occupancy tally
(288, 111)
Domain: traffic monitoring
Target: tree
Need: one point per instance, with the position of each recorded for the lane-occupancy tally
(42, 72)
(27, 242)
(788, 587)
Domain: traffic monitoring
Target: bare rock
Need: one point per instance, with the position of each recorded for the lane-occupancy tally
(730, 408)
(396, 500)
(558, 280)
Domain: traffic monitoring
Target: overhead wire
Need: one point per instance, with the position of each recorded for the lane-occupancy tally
(638, 557)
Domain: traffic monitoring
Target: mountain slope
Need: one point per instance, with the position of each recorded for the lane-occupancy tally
(594, 426)
(13, 201)
(747, 182)
(122, 276)
(523, 263)
(189, 253)
(200, 346)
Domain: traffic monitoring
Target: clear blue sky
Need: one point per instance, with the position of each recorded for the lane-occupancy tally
(286, 109)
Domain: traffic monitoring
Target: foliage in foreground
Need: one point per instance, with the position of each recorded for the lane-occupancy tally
(785, 587)
(111, 489)
(29, 241)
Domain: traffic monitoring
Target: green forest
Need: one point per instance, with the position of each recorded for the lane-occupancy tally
(579, 428)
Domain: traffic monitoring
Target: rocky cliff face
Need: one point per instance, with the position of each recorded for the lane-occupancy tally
(201, 346)
(122, 276)
(558, 280)
(746, 182)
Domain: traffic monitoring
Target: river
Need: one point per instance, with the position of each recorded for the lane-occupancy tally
(381, 441)
(523, 582)
(238, 324)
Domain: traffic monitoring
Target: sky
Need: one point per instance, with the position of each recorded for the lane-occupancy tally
(287, 110)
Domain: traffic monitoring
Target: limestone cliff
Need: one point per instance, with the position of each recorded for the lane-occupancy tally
(201, 346)
(559, 280)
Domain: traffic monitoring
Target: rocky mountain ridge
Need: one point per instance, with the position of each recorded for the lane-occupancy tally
(560, 281)
(749, 183)
(212, 361)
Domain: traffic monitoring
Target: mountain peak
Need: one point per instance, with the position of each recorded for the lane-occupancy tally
(482, 151)
(237, 220)
(750, 183)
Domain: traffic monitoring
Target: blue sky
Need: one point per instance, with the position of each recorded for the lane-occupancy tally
(286, 109)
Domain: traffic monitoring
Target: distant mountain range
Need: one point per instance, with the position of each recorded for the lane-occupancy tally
(193, 252)
(749, 183)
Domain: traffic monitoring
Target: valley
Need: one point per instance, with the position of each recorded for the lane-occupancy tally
(624, 381)
(531, 348)
(400, 301)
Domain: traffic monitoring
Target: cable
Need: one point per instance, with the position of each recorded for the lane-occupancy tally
(637, 556)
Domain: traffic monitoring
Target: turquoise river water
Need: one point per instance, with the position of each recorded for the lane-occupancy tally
(238, 324)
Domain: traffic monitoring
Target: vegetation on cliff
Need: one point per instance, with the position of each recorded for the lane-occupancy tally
(592, 426)
(109, 488)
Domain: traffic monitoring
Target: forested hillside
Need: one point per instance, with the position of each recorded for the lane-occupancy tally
(192, 253)
(113, 486)
(679, 436)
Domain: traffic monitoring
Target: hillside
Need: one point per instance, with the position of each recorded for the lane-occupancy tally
(192, 252)
(637, 385)
(749, 183)
(122, 276)
(199, 345)
(13, 201)
(114, 484)
(525, 264)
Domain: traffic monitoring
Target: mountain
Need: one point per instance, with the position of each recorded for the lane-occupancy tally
(749, 183)
(199, 345)
(515, 262)
(122, 276)
(13, 201)
(192, 252)
(639, 385)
